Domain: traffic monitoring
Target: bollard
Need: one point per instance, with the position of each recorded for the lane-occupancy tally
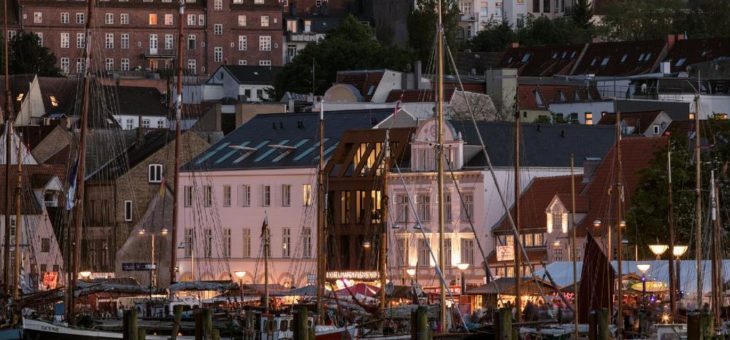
(693, 326)
(301, 330)
(603, 333)
(129, 326)
(141, 334)
(707, 325)
(503, 321)
(422, 330)
(177, 315)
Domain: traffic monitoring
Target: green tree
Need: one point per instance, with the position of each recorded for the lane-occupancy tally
(582, 14)
(351, 46)
(544, 31)
(422, 27)
(28, 56)
(641, 19)
(495, 38)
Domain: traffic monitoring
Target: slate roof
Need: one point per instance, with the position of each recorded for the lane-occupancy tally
(282, 140)
(623, 58)
(152, 141)
(535, 199)
(541, 61)
(677, 110)
(64, 90)
(417, 96)
(32, 135)
(544, 145)
(365, 81)
(692, 51)
(19, 83)
(477, 62)
(257, 75)
(640, 120)
(29, 203)
(551, 94)
(146, 101)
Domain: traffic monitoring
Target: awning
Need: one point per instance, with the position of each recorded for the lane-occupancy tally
(506, 286)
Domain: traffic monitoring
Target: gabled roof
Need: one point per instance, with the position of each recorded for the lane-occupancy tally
(477, 63)
(319, 24)
(544, 145)
(282, 140)
(19, 84)
(535, 200)
(145, 101)
(623, 58)
(256, 75)
(140, 150)
(636, 154)
(639, 120)
(29, 202)
(365, 81)
(692, 51)
(541, 61)
(59, 94)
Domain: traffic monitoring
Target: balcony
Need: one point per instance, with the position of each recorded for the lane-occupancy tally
(469, 17)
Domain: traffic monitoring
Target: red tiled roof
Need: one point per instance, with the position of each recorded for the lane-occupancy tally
(691, 51)
(550, 94)
(620, 58)
(636, 153)
(417, 96)
(541, 61)
(535, 199)
(362, 80)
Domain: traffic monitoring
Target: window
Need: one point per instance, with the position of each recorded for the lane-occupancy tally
(218, 29)
(168, 41)
(307, 243)
(127, 211)
(188, 242)
(264, 21)
(226, 242)
(423, 206)
(80, 40)
(125, 64)
(218, 5)
(246, 244)
(285, 242)
(12, 34)
(40, 38)
(146, 123)
(191, 41)
(130, 124)
(242, 43)
(656, 129)
(424, 255)
(589, 118)
(124, 19)
(201, 19)
(168, 19)
(264, 43)
(207, 195)
(307, 194)
(264, 62)
(64, 18)
(402, 251)
(109, 18)
(538, 240)
(241, 20)
(238, 2)
(152, 19)
(467, 207)
(64, 64)
(80, 68)
(154, 171)
(109, 64)
(191, 19)
(447, 207)
(226, 195)
(244, 195)
(153, 43)
(402, 208)
(285, 195)
(161, 124)
(218, 54)
(208, 242)
(187, 196)
(65, 38)
(557, 253)
(192, 66)
(109, 40)
(124, 40)
(266, 196)
(467, 251)
(80, 18)
(37, 17)
(258, 2)
(45, 245)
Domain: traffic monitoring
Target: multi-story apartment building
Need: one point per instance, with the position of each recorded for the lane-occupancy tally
(142, 34)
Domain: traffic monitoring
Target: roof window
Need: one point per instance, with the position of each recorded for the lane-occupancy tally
(526, 57)
(623, 59)
(680, 62)
(593, 62)
(605, 60)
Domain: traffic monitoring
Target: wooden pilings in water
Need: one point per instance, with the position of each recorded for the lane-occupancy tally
(301, 330)
(700, 326)
(177, 315)
(419, 322)
(204, 324)
(129, 325)
(503, 324)
(598, 325)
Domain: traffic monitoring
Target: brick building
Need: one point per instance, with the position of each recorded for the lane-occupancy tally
(142, 34)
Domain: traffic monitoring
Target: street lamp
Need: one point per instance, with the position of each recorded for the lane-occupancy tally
(678, 251)
(643, 268)
(153, 265)
(462, 268)
(85, 275)
(240, 275)
(658, 249)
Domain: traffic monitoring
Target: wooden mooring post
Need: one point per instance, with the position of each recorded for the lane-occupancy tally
(204, 324)
(129, 325)
(177, 315)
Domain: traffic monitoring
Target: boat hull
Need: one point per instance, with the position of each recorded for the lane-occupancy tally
(41, 330)
(340, 333)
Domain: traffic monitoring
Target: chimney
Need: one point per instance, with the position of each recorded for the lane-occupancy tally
(665, 67)
(590, 164)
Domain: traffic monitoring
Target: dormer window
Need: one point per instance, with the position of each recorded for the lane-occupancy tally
(623, 59)
(50, 199)
(526, 57)
(605, 60)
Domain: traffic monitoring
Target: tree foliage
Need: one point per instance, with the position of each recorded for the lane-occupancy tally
(537, 31)
(422, 27)
(495, 38)
(27, 56)
(351, 46)
(582, 14)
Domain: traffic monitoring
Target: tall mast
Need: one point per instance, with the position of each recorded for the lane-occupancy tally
(8, 152)
(18, 190)
(384, 218)
(670, 218)
(322, 257)
(266, 264)
(619, 222)
(81, 169)
(716, 274)
(698, 202)
(440, 161)
(178, 117)
(573, 250)
(518, 254)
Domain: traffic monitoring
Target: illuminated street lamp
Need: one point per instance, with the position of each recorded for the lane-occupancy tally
(462, 268)
(643, 268)
(678, 251)
(240, 275)
(658, 249)
(85, 275)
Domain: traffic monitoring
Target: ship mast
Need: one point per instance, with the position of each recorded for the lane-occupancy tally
(78, 217)
(382, 258)
(178, 117)
(670, 218)
(619, 223)
(698, 201)
(572, 243)
(18, 190)
(518, 238)
(8, 152)
(440, 162)
(715, 250)
(321, 219)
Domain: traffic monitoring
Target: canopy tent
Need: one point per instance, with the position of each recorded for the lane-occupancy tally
(506, 286)
(219, 286)
(361, 289)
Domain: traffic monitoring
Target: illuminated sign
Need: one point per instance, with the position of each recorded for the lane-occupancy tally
(50, 279)
(505, 253)
(353, 275)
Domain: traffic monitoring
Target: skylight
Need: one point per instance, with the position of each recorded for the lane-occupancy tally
(593, 62)
(605, 60)
(641, 56)
(526, 57)
(680, 62)
(623, 59)
(250, 152)
(54, 102)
